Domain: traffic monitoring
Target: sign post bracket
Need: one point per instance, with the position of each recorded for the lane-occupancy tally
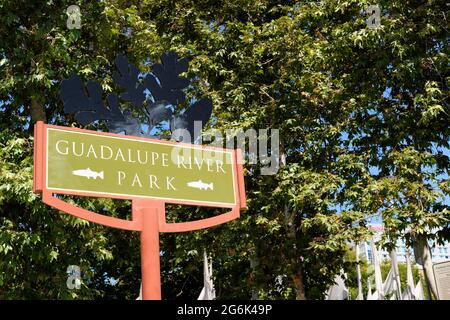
(149, 212)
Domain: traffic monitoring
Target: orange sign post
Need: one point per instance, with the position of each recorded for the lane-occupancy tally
(89, 163)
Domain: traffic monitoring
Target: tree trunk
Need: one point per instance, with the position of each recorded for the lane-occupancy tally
(299, 286)
(254, 262)
(37, 111)
(424, 254)
(290, 228)
(358, 274)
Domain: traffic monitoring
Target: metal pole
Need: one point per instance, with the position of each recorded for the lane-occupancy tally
(150, 257)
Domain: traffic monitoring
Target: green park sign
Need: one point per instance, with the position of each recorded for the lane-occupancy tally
(148, 172)
(107, 165)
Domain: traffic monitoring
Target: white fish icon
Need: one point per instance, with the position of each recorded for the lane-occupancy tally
(88, 173)
(200, 185)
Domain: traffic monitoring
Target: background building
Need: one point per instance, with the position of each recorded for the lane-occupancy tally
(439, 253)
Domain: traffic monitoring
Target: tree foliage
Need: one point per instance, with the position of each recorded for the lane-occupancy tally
(363, 117)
